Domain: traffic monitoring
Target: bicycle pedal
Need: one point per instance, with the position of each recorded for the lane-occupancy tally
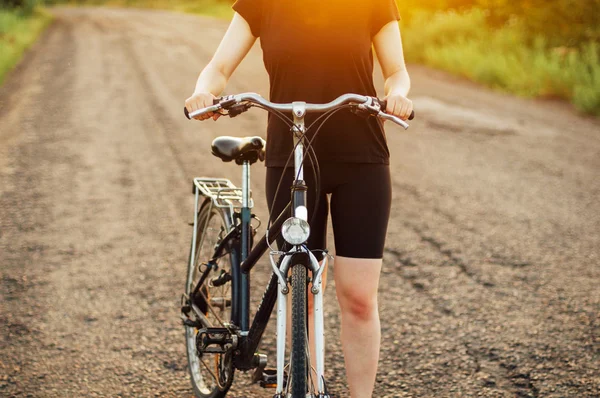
(215, 341)
(269, 378)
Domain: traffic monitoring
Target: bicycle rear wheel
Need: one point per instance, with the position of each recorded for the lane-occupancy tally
(299, 362)
(211, 373)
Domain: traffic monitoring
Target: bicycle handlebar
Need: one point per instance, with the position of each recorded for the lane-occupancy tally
(370, 104)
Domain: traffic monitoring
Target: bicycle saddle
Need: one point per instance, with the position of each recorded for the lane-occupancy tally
(249, 149)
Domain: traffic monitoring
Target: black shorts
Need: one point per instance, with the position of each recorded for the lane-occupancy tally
(361, 197)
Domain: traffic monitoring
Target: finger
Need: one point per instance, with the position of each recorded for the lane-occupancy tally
(397, 108)
(388, 105)
(209, 115)
(188, 105)
(408, 109)
(199, 117)
(198, 105)
(204, 104)
(403, 114)
(191, 105)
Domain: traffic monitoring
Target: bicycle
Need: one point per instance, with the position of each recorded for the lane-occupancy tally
(215, 306)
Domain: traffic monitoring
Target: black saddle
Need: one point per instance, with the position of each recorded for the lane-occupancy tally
(249, 149)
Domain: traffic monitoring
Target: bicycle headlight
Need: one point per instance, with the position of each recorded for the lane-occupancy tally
(295, 231)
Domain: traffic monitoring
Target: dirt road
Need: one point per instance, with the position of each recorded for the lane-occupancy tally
(490, 284)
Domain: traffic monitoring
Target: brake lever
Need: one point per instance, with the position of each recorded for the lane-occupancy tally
(395, 119)
(360, 110)
(238, 109)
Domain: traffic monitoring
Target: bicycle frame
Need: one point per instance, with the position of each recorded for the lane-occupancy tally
(277, 288)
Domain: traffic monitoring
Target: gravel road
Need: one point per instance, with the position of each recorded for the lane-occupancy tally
(491, 272)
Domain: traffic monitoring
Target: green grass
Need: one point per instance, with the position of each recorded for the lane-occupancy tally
(216, 8)
(18, 31)
(505, 58)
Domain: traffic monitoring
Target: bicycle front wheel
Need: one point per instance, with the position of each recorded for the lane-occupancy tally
(299, 363)
(211, 373)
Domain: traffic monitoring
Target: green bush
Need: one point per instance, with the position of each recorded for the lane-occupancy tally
(505, 57)
(560, 22)
(11, 3)
(25, 7)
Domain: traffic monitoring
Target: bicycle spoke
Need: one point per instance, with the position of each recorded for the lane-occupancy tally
(288, 384)
(215, 378)
(210, 307)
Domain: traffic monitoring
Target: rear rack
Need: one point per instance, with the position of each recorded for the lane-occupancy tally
(221, 191)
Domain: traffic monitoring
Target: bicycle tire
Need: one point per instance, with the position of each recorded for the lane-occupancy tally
(210, 218)
(299, 362)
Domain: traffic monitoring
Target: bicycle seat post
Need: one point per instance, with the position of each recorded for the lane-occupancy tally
(246, 184)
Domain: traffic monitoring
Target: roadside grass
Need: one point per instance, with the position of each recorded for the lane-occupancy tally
(18, 31)
(503, 58)
(215, 8)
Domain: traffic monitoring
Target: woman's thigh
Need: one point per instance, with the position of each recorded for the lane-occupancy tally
(360, 210)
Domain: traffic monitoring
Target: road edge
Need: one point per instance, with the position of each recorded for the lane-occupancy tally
(45, 19)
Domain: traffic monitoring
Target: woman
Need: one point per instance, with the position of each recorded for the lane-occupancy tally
(315, 51)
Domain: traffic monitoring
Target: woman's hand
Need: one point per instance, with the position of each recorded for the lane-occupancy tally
(199, 101)
(398, 105)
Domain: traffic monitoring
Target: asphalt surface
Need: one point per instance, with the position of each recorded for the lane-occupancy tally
(491, 272)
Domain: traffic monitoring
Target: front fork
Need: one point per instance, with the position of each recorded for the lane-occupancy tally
(299, 206)
(319, 330)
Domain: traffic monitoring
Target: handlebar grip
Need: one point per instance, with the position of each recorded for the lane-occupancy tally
(215, 102)
(383, 105)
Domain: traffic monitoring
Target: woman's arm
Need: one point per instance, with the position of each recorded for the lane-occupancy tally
(388, 47)
(236, 43)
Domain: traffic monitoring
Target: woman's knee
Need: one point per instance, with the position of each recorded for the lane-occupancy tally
(357, 281)
(359, 306)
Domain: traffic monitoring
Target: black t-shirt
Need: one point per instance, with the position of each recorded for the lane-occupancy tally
(315, 51)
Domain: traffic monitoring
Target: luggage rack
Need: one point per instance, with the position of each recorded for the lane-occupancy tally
(221, 191)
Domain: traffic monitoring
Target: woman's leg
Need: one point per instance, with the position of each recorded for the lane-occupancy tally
(360, 209)
(356, 283)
